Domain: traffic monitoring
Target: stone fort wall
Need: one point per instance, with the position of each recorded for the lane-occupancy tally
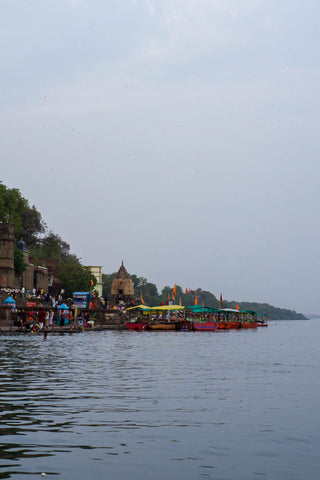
(33, 276)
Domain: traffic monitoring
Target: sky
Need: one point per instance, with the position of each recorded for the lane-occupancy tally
(180, 136)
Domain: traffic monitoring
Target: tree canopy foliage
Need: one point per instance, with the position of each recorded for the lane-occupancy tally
(49, 247)
(75, 277)
(27, 221)
(42, 245)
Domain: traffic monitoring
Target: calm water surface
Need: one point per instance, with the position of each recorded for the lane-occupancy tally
(129, 405)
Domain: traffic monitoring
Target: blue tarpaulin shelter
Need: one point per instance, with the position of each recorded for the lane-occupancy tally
(9, 301)
(64, 307)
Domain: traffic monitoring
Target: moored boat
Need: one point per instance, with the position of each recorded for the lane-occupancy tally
(162, 326)
(136, 325)
(166, 317)
(201, 318)
(138, 318)
(203, 326)
(262, 320)
(248, 319)
(228, 318)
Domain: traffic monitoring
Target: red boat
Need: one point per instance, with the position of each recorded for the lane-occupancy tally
(136, 325)
(200, 319)
(228, 318)
(139, 318)
(249, 325)
(204, 326)
(248, 319)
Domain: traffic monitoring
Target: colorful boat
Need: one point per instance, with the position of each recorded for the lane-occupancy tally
(248, 319)
(203, 326)
(166, 317)
(162, 326)
(262, 320)
(138, 318)
(228, 318)
(200, 319)
(136, 325)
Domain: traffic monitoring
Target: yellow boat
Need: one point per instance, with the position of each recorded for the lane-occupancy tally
(171, 320)
(161, 326)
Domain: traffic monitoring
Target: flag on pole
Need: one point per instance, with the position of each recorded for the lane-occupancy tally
(180, 302)
(174, 289)
(237, 307)
(141, 299)
(220, 300)
(196, 300)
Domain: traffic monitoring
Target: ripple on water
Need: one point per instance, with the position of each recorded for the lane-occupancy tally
(166, 405)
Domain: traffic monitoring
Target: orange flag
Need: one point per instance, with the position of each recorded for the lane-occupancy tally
(237, 307)
(196, 301)
(180, 302)
(174, 289)
(141, 299)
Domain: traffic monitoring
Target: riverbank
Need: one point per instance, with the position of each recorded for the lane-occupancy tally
(104, 319)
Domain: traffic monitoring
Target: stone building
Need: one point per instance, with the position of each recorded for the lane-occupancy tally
(33, 276)
(7, 275)
(122, 286)
(97, 272)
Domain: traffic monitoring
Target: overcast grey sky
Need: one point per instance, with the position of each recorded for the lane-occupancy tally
(181, 136)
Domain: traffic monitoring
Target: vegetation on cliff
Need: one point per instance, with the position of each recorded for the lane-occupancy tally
(42, 245)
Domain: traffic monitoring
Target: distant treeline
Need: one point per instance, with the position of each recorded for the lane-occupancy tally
(148, 293)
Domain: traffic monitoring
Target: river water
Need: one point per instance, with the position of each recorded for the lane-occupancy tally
(232, 405)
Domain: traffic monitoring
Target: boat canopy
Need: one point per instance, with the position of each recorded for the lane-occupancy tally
(200, 309)
(167, 307)
(139, 307)
(232, 310)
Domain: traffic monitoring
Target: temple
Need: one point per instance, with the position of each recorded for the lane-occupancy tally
(122, 286)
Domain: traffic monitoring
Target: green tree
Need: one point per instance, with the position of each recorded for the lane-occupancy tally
(32, 226)
(16, 209)
(107, 280)
(19, 263)
(49, 247)
(75, 277)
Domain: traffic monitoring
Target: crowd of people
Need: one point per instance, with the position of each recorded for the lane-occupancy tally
(34, 295)
(47, 320)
